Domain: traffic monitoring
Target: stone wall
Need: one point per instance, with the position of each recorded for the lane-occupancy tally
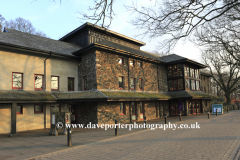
(108, 112)
(108, 71)
(205, 82)
(150, 109)
(87, 112)
(87, 67)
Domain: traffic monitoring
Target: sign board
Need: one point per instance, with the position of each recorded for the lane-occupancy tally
(218, 108)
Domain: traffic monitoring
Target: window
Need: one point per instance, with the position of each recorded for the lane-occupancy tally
(197, 73)
(197, 85)
(132, 63)
(179, 70)
(85, 83)
(204, 78)
(55, 83)
(141, 107)
(192, 72)
(187, 83)
(121, 82)
(186, 71)
(120, 61)
(17, 81)
(55, 109)
(19, 109)
(38, 109)
(139, 64)
(170, 85)
(70, 84)
(175, 85)
(175, 71)
(140, 84)
(122, 109)
(205, 90)
(192, 84)
(180, 84)
(169, 71)
(132, 83)
(38, 82)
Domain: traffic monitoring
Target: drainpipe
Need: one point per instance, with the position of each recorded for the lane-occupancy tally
(45, 79)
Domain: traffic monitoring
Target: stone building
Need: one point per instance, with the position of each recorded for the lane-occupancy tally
(96, 74)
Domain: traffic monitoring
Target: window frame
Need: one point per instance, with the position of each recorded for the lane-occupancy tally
(84, 77)
(192, 80)
(38, 111)
(133, 63)
(124, 109)
(21, 80)
(21, 109)
(122, 61)
(35, 82)
(134, 83)
(122, 82)
(57, 83)
(141, 65)
(73, 83)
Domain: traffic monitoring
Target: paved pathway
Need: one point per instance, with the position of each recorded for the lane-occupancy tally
(217, 138)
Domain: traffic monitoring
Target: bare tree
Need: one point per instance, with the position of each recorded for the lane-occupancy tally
(2, 21)
(176, 18)
(23, 25)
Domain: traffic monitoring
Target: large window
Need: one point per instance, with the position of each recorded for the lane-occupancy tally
(175, 84)
(121, 82)
(197, 85)
(192, 72)
(175, 71)
(186, 71)
(55, 83)
(17, 81)
(192, 84)
(70, 84)
(187, 84)
(197, 73)
(38, 82)
(132, 83)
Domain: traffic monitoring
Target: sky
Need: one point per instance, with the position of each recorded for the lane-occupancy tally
(57, 19)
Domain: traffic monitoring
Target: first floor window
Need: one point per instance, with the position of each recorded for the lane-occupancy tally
(139, 64)
(170, 85)
(19, 109)
(70, 84)
(132, 83)
(197, 85)
(38, 82)
(85, 83)
(192, 84)
(140, 84)
(17, 81)
(180, 84)
(122, 109)
(187, 83)
(121, 82)
(38, 109)
(55, 83)
(132, 63)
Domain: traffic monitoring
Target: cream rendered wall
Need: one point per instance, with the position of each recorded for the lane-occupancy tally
(29, 64)
(5, 118)
(65, 69)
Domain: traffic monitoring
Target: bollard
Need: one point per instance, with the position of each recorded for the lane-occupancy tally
(145, 122)
(216, 112)
(69, 137)
(208, 115)
(116, 128)
(165, 118)
(227, 109)
(180, 117)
